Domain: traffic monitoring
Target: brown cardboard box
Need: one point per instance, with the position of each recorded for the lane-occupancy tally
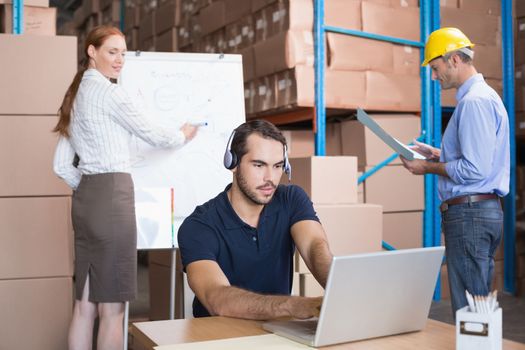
(167, 16)
(403, 230)
(261, 20)
(236, 9)
(396, 3)
(233, 37)
(248, 63)
(520, 122)
(212, 17)
(449, 3)
(352, 228)
(265, 90)
(35, 313)
(159, 292)
(520, 97)
(353, 53)
(343, 13)
(259, 4)
(36, 236)
(132, 39)
(18, 66)
(147, 44)
(131, 18)
(519, 51)
(487, 61)
(40, 3)
(406, 60)
(448, 97)
(334, 142)
(27, 146)
(283, 51)
(147, 27)
(519, 9)
(369, 149)
(249, 97)
(344, 89)
(290, 15)
(395, 188)
(487, 7)
(326, 180)
(167, 41)
(300, 143)
(37, 20)
(111, 14)
(385, 20)
(480, 29)
(393, 92)
(520, 28)
(247, 29)
(309, 287)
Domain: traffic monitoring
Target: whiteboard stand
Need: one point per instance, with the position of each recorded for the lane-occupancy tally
(172, 282)
(126, 320)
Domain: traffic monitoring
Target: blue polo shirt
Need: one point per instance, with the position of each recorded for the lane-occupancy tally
(257, 259)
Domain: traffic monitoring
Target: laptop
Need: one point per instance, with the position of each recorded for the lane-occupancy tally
(370, 295)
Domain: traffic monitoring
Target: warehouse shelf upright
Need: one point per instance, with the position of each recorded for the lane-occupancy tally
(431, 115)
(18, 16)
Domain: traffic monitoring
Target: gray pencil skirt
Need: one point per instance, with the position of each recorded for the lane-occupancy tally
(103, 215)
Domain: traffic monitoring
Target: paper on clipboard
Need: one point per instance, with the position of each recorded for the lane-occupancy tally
(393, 143)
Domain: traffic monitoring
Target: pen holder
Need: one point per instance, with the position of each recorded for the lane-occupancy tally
(478, 331)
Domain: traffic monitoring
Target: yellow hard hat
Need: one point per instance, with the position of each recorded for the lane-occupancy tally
(443, 41)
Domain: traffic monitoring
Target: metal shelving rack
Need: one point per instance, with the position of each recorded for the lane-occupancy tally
(431, 115)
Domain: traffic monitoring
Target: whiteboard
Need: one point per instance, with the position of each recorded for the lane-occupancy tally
(171, 89)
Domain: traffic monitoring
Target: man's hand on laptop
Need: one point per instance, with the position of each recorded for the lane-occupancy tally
(304, 307)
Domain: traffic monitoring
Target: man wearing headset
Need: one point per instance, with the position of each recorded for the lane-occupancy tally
(237, 249)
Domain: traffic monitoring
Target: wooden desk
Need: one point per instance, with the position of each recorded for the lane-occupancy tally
(436, 335)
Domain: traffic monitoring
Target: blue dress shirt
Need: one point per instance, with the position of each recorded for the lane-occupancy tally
(475, 144)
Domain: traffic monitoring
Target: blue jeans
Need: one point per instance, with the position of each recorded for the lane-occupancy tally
(472, 234)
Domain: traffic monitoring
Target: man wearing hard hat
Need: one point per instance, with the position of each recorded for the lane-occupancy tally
(473, 165)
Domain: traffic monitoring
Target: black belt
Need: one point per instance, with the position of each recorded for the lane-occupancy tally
(470, 198)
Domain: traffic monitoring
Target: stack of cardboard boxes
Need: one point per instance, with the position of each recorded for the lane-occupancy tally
(351, 227)
(36, 253)
(480, 20)
(39, 18)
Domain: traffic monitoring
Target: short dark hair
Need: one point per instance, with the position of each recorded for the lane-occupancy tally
(261, 127)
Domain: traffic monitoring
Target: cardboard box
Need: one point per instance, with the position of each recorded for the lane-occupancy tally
(42, 307)
(37, 20)
(111, 14)
(361, 142)
(132, 39)
(344, 89)
(449, 3)
(36, 236)
(131, 18)
(265, 90)
(167, 41)
(326, 180)
(248, 63)
(28, 81)
(448, 97)
(403, 230)
(212, 17)
(343, 14)
(249, 97)
(334, 142)
(393, 92)
(480, 29)
(519, 51)
(167, 16)
(236, 9)
(519, 8)
(27, 147)
(300, 143)
(396, 3)
(395, 188)
(487, 7)
(259, 4)
(354, 53)
(309, 287)
(290, 15)
(147, 27)
(407, 60)
(352, 228)
(283, 51)
(40, 3)
(487, 60)
(261, 20)
(396, 22)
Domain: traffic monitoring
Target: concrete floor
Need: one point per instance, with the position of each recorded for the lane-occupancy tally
(513, 309)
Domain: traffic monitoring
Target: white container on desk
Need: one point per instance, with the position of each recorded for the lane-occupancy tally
(478, 331)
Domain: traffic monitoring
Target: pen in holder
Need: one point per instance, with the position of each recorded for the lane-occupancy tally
(479, 325)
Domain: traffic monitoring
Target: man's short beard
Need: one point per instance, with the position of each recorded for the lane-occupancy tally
(243, 186)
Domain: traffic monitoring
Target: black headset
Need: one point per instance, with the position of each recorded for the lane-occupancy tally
(231, 160)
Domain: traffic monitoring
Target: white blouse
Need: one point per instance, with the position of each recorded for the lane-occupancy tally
(103, 119)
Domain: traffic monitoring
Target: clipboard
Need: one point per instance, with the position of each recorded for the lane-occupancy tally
(399, 147)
